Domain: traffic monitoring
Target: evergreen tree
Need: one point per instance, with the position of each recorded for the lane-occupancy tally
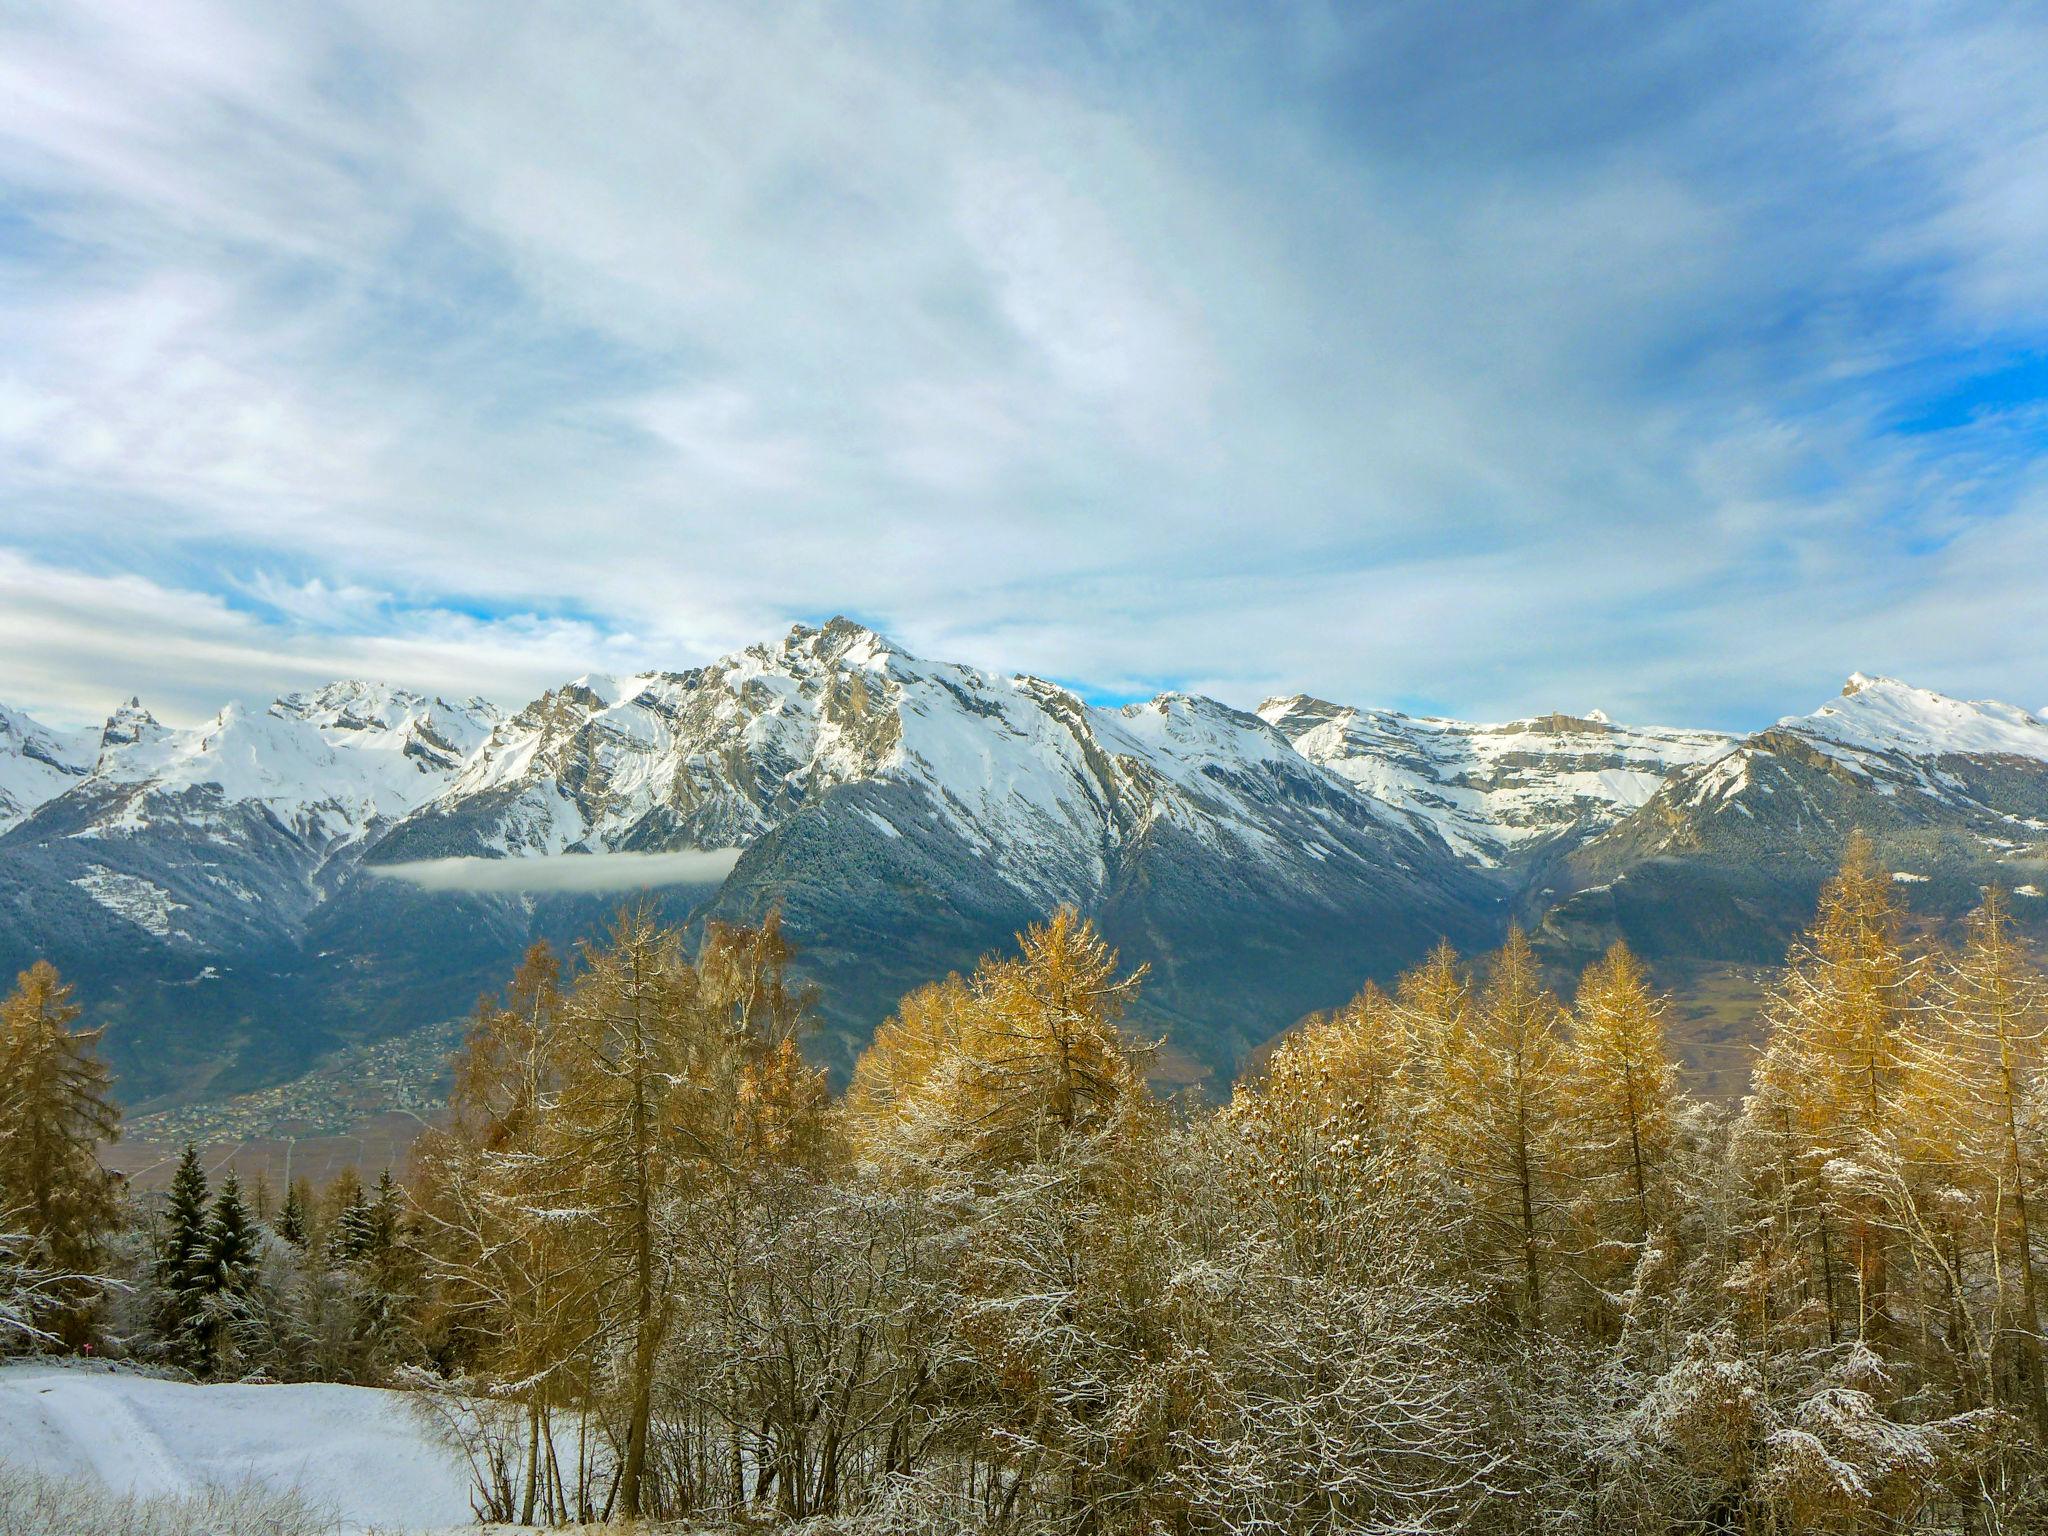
(229, 1277)
(291, 1224)
(55, 1110)
(232, 1249)
(347, 1227)
(181, 1279)
(380, 1223)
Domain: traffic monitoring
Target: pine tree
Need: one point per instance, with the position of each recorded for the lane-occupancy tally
(232, 1250)
(55, 1110)
(229, 1276)
(291, 1224)
(182, 1285)
(381, 1221)
(347, 1224)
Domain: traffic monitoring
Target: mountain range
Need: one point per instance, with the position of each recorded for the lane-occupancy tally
(239, 899)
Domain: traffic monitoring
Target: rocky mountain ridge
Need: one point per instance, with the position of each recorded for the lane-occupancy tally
(214, 887)
(1498, 795)
(1727, 856)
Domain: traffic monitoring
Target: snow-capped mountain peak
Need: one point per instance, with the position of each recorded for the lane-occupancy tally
(1883, 754)
(1884, 715)
(433, 734)
(1042, 786)
(329, 764)
(129, 725)
(1493, 792)
(38, 763)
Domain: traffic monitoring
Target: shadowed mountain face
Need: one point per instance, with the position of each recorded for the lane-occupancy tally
(238, 899)
(1723, 864)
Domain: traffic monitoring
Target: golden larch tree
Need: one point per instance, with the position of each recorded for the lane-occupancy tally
(1621, 1115)
(55, 1111)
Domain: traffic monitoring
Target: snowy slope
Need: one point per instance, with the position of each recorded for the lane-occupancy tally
(1042, 786)
(922, 811)
(217, 836)
(1494, 792)
(327, 765)
(1724, 861)
(1880, 716)
(37, 763)
(908, 815)
(1931, 756)
(356, 1451)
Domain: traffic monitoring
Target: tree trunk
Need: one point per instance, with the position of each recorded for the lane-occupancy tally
(643, 1277)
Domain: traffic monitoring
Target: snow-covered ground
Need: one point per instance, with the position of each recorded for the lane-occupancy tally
(355, 1451)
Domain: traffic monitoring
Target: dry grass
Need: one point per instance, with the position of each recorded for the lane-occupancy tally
(32, 1504)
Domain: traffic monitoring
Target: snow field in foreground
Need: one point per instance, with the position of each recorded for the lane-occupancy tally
(356, 1452)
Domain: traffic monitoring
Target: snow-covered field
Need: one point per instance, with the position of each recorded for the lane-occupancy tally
(356, 1452)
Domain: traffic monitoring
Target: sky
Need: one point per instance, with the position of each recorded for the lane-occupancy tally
(1483, 359)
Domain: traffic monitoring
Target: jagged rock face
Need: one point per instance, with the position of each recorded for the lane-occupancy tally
(184, 845)
(908, 815)
(1724, 862)
(212, 890)
(1500, 795)
(37, 764)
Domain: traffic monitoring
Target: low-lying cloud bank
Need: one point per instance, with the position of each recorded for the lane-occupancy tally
(565, 873)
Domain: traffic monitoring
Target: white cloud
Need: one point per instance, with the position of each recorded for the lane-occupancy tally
(579, 874)
(1355, 355)
(76, 644)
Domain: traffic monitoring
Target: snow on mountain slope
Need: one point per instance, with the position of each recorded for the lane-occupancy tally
(922, 811)
(1723, 862)
(1883, 715)
(37, 763)
(355, 1451)
(1042, 786)
(1493, 792)
(212, 836)
(1883, 737)
(327, 765)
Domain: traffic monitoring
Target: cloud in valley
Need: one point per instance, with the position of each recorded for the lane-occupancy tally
(571, 874)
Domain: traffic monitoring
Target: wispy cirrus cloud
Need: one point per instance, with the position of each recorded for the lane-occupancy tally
(1675, 363)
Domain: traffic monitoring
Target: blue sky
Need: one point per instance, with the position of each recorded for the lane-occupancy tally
(1483, 359)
